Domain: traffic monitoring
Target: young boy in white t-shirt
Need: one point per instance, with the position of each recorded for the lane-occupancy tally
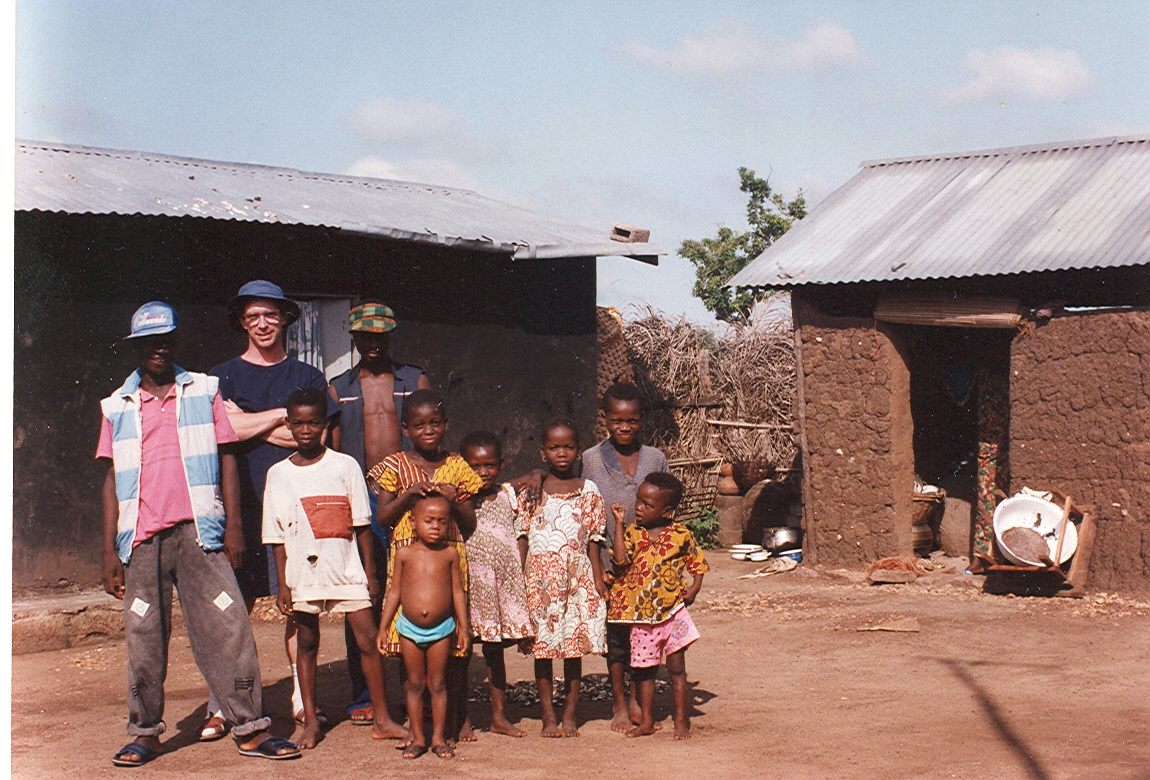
(316, 512)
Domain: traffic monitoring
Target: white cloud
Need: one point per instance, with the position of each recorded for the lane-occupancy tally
(823, 47)
(1033, 75)
(733, 50)
(725, 52)
(387, 120)
(425, 170)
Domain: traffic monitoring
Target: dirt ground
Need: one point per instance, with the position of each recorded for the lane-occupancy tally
(785, 685)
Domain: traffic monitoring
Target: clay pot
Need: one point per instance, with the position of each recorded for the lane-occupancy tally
(728, 487)
(725, 470)
(748, 473)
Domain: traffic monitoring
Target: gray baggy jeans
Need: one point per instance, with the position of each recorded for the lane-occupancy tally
(218, 627)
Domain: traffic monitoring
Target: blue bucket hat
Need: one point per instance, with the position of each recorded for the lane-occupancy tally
(154, 318)
(261, 290)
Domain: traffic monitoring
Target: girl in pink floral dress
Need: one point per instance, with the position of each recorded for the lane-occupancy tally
(499, 617)
(566, 596)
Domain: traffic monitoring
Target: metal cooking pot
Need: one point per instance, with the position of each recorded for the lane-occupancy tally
(776, 539)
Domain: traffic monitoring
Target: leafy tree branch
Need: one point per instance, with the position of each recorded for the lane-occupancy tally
(718, 259)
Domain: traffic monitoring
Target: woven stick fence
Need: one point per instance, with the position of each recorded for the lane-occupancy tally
(713, 399)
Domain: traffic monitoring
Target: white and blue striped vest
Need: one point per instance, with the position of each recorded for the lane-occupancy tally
(197, 432)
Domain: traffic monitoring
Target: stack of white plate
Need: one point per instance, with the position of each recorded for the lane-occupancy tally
(743, 552)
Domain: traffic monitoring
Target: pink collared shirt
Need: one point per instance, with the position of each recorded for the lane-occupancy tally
(164, 497)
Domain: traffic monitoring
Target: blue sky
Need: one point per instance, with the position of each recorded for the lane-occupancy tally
(592, 112)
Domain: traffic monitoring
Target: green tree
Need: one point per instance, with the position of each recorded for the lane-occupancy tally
(717, 259)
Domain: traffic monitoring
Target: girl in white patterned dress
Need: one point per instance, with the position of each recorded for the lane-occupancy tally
(565, 592)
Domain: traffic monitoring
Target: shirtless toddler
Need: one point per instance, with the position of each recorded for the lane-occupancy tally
(427, 593)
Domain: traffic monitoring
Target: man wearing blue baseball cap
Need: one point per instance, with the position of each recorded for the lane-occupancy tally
(171, 514)
(255, 387)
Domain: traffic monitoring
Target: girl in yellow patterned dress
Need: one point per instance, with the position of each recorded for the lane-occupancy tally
(399, 480)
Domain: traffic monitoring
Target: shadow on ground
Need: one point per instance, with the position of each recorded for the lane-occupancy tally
(997, 719)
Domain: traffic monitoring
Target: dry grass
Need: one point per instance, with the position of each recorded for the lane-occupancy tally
(910, 563)
(689, 375)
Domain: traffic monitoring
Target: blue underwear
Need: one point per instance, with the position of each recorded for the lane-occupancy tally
(424, 637)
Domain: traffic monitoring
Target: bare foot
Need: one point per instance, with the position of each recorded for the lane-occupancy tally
(443, 751)
(299, 717)
(309, 738)
(635, 712)
(642, 730)
(466, 733)
(386, 728)
(551, 728)
(622, 721)
(682, 729)
(502, 726)
(414, 750)
(569, 728)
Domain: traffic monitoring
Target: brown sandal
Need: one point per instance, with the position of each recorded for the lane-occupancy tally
(214, 728)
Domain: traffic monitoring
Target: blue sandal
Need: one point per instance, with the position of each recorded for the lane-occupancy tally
(271, 747)
(141, 751)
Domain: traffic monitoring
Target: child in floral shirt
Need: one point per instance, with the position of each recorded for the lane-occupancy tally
(655, 555)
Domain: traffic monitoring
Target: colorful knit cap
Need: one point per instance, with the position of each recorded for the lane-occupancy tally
(371, 318)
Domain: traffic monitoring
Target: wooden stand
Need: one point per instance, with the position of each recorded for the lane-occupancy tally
(1050, 579)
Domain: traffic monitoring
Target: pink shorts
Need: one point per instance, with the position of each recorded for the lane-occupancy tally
(649, 643)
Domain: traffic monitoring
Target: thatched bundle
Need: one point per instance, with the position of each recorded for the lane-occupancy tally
(754, 372)
(713, 398)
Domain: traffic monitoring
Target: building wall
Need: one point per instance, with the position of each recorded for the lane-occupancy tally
(856, 438)
(1080, 422)
(509, 343)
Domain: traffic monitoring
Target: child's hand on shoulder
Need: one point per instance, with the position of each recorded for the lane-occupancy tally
(619, 511)
(283, 600)
(601, 587)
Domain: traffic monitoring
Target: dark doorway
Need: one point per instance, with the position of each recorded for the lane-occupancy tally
(946, 367)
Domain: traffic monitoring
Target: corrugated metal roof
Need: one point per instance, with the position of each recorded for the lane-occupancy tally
(1081, 204)
(87, 180)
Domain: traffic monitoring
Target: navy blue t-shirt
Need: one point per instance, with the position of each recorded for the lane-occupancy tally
(256, 389)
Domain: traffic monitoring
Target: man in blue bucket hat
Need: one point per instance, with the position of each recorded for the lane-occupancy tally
(255, 387)
(171, 514)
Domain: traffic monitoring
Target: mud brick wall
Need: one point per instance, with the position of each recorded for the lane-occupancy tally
(856, 439)
(1080, 422)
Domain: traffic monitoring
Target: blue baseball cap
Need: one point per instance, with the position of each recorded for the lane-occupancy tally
(154, 318)
(261, 290)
